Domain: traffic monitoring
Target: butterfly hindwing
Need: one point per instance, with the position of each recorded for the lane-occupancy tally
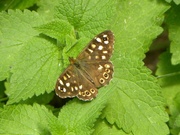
(73, 83)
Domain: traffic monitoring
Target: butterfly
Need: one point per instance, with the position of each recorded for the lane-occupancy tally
(91, 69)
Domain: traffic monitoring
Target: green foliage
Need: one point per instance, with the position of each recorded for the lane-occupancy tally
(169, 76)
(16, 4)
(173, 21)
(26, 119)
(177, 2)
(34, 50)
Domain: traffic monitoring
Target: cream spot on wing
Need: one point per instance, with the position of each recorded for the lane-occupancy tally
(76, 88)
(90, 50)
(61, 82)
(107, 66)
(93, 46)
(98, 40)
(100, 67)
(100, 47)
(104, 36)
(96, 57)
(80, 87)
(106, 42)
(89, 57)
(64, 77)
(67, 84)
(68, 75)
(105, 52)
(64, 89)
(103, 57)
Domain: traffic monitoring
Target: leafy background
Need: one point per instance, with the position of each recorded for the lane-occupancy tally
(36, 39)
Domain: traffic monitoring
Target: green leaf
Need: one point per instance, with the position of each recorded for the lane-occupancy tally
(35, 70)
(169, 76)
(26, 119)
(57, 29)
(177, 2)
(47, 8)
(168, 1)
(16, 4)
(87, 16)
(132, 102)
(176, 122)
(15, 30)
(173, 22)
(104, 128)
(136, 105)
(41, 99)
(78, 117)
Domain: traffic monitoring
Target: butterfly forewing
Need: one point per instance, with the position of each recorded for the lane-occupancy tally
(89, 71)
(66, 85)
(99, 49)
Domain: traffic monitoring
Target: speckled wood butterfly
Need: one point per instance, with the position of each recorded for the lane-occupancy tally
(91, 69)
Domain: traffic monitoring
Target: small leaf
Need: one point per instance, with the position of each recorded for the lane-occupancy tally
(103, 128)
(57, 29)
(83, 116)
(17, 4)
(173, 21)
(26, 119)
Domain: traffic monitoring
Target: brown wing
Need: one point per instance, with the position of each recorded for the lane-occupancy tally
(99, 49)
(98, 73)
(94, 59)
(73, 83)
